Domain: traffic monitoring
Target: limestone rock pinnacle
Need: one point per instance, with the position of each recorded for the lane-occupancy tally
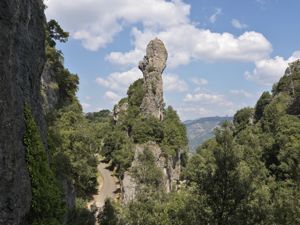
(152, 67)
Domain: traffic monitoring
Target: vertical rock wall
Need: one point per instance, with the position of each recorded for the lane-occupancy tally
(22, 59)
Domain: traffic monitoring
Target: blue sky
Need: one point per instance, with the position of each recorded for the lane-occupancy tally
(222, 53)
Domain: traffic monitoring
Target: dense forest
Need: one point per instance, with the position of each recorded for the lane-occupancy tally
(248, 173)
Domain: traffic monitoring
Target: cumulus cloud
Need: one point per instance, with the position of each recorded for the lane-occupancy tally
(173, 83)
(192, 112)
(119, 81)
(199, 44)
(96, 22)
(213, 18)
(207, 98)
(268, 71)
(112, 96)
(237, 24)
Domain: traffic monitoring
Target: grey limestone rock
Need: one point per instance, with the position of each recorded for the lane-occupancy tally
(152, 67)
(170, 167)
(49, 88)
(22, 57)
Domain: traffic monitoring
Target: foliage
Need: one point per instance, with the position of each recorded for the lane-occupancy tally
(101, 116)
(174, 131)
(110, 214)
(118, 148)
(81, 215)
(76, 141)
(146, 129)
(248, 173)
(146, 173)
(242, 118)
(273, 111)
(55, 33)
(135, 94)
(47, 206)
(262, 102)
(67, 82)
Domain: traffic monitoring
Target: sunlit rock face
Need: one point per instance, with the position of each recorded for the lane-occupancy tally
(152, 67)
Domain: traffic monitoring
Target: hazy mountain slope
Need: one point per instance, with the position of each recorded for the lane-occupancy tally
(201, 129)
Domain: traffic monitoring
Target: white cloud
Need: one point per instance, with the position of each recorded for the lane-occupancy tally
(132, 57)
(85, 106)
(173, 83)
(199, 44)
(112, 96)
(189, 112)
(119, 81)
(241, 92)
(213, 18)
(207, 98)
(96, 22)
(88, 97)
(199, 81)
(237, 24)
(268, 71)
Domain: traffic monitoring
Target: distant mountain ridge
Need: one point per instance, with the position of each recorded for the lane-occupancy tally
(199, 130)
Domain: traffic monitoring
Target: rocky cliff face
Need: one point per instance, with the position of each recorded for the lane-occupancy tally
(50, 89)
(169, 166)
(22, 59)
(152, 67)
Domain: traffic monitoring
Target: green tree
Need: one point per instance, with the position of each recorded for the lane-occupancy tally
(54, 33)
(263, 101)
(174, 131)
(146, 129)
(146, 173)
(242, 118)
(227, 191)
(47, 206)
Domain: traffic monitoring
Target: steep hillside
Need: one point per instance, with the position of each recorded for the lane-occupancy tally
(202, 129)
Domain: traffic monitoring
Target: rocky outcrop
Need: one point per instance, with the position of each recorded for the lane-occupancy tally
(120, 109)
(289, 83)
(22, 58)
(152, 104)
(49, 88)
(293, 66)
(169, 166)
(152, 67)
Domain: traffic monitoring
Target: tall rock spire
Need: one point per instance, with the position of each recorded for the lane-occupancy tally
(152, 67)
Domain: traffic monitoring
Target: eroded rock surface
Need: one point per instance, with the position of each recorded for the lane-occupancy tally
(50, 88)
(152, 67)
(22, 57)
(170, 168)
